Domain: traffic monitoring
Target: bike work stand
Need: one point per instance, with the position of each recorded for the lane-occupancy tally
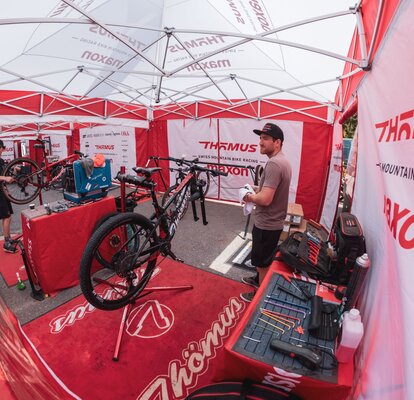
(128, 308)
(37, 292)
(40, 198)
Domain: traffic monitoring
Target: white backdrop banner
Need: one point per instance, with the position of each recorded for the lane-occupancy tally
(383, 202)
(8, 153)
(231, 141)
(116, 143)
(334, 180)
(59, 146)
(191, 139)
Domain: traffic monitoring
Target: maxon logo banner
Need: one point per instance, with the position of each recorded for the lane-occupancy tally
(238, 171)
(400, 221)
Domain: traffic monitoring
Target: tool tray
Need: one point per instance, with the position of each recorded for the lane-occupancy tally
(254, 342)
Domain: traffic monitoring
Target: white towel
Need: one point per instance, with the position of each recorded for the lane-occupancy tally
(247, 207)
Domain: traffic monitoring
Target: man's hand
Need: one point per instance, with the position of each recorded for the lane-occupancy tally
(7, 179)
(244, 191)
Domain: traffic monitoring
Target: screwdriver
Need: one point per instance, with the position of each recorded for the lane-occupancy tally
(287, 278)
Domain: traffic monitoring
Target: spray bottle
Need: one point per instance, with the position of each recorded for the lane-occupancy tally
(350, 336)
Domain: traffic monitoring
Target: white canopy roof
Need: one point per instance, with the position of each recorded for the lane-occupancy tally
(158, 52)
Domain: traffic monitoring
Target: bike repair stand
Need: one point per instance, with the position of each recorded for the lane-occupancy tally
(128, 308)
(37, 292)
(40, 198)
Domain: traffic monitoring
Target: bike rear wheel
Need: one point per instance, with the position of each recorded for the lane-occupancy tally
(127, 244)
(27, 180)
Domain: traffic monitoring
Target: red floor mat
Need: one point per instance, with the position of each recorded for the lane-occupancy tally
(10, 264)
(169, 348)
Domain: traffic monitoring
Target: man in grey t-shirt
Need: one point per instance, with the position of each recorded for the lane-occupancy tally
(271, 200)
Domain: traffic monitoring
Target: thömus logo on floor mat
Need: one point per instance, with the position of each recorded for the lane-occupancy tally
(149, 320)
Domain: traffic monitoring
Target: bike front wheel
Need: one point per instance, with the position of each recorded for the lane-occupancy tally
(27, 180)
(205, 178)
(128, 244)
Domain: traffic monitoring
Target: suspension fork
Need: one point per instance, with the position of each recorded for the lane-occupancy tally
(203, 206)
(194, 209)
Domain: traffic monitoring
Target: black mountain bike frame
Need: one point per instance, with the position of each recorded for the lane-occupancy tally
(189, 190)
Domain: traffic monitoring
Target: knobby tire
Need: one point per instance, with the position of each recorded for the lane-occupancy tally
(27, 180)
(205, 176)
(119, 283)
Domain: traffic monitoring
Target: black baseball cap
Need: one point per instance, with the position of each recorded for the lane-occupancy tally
(2, 144)
(272, 130)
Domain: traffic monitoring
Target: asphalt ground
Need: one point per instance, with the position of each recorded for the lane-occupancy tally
(208, 247)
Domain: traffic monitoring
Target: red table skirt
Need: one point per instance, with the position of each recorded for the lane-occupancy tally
(54, 243)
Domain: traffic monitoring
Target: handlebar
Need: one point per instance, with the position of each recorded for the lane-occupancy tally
(179, 161)
(214, 172)
(192, 164)
(41, 143)
(78, 153)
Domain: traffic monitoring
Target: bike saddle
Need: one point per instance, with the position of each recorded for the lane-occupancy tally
(146, 171)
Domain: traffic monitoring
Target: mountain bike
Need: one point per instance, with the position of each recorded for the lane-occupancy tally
(183, 166)
(29, 178)
(128, 244)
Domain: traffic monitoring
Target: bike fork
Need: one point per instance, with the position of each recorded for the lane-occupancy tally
(193, 207)
(203, 210)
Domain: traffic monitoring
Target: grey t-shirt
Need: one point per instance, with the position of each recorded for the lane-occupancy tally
(277, 174)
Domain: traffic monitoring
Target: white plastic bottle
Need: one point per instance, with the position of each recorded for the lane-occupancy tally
(350, 337)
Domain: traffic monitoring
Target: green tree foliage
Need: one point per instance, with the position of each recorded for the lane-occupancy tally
(349, 126)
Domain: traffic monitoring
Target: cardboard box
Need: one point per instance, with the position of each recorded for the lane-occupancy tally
(294, 221)
(294, 214)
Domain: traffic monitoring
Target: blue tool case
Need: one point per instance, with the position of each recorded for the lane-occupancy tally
(84, 188)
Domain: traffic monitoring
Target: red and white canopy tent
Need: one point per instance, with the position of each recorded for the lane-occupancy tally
(196, 77)
(234, 64)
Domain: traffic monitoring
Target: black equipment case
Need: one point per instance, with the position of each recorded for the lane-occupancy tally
(295, 252)
(349, 245)
(308, 253)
